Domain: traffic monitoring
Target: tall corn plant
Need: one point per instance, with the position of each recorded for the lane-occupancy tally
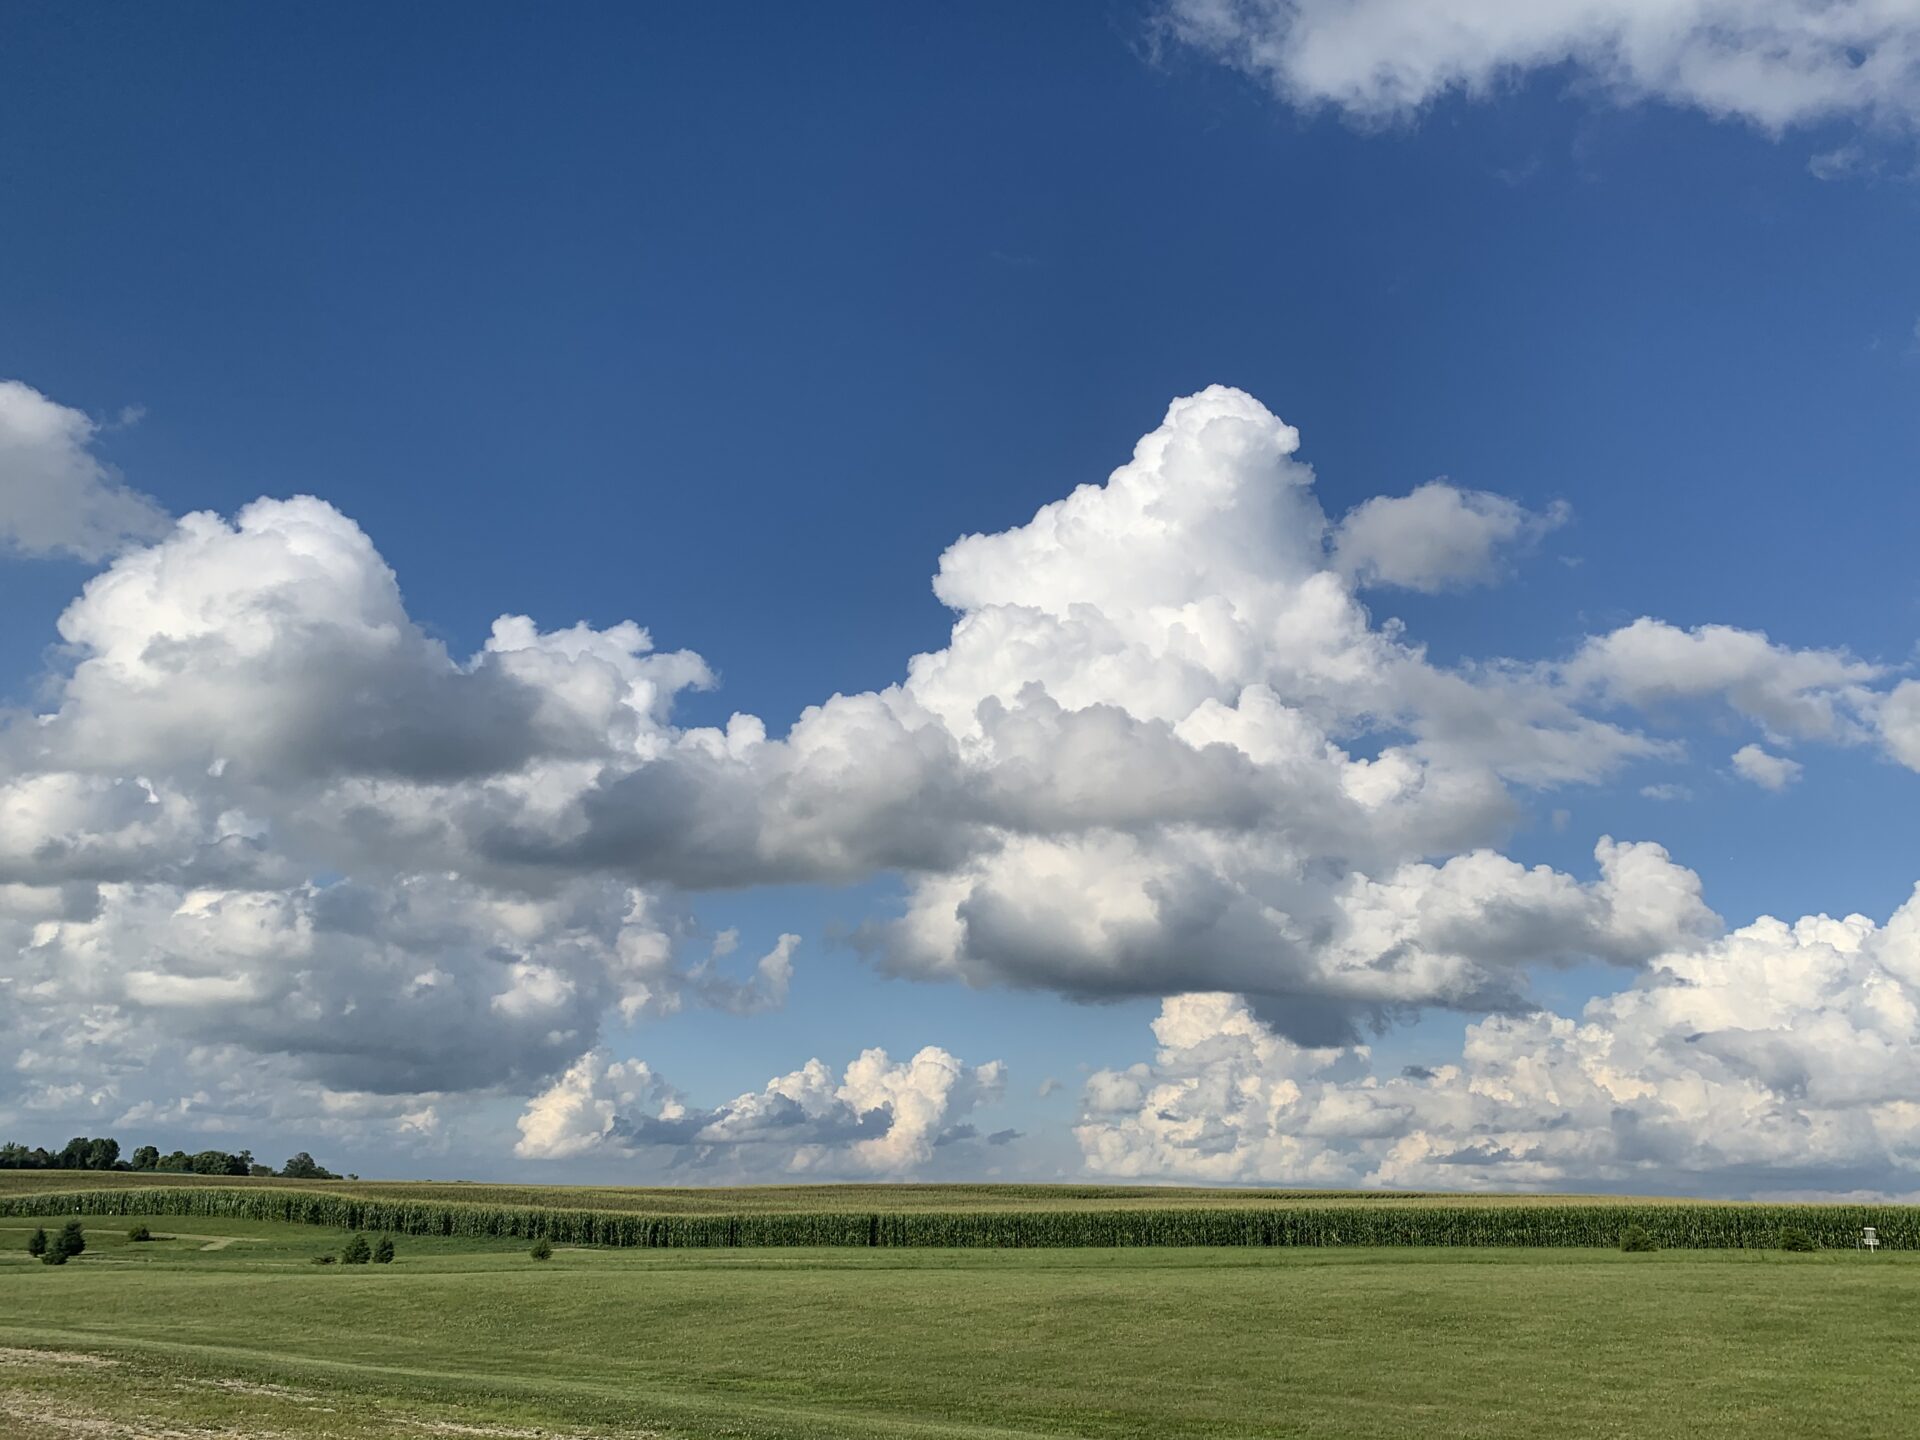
(1415, 1223)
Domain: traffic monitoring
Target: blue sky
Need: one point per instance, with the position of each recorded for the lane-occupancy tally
(729, 320)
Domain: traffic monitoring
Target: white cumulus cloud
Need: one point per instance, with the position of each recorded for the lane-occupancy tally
(1765, 769)
(1771, 63)
(1437, 538)
(264, 815)
(56, 495)
(1898, 720)
(1791, 694)
(876, 1117)
(1779, 1058)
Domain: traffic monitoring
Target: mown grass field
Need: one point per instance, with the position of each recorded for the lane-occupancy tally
(229, 1328)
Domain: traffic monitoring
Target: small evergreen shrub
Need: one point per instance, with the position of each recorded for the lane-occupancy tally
(542, 1249)
(37, 1244)
(70, 1241)
(358, 1252)
(323, 1259)
(383, 1252)
(1637, 1239)
(1797, 1240)
(139, 1233)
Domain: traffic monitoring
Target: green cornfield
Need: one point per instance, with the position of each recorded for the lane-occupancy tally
(1674, 1225)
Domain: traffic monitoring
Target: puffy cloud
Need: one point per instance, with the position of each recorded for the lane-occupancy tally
(1152, 688)
(1165, 748)
(1765, 769)
(1117, 918)
(1147, 698)
(1898, 720)
(878, 1117)
(98, 1068)
(246, 819)
(277, 648)
(1437, 538)
(421, 983)
(1772, 63)
(266, 806)
(56, 495)
(1777, 1058)
(1791, 694)
(582, 1110)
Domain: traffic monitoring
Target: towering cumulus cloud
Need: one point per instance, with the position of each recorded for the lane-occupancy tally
(1151, 696)
(268, 847)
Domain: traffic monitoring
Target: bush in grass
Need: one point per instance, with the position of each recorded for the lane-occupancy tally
(1797, 1240)
(37, 1244)
(139, 1233)
(323, 1259)
(383, 1252)
(358, 1252)
(542, 1249)
(1637, 1239)
(71, 1241)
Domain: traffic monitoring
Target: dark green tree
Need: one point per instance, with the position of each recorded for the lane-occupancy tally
(358, 1252)
(74, 1156)
(147, 1157)
(37, 1244)
(542, 1249)
(71, 1239)
(304, 1167)
(383, 1252)
(103, 1153)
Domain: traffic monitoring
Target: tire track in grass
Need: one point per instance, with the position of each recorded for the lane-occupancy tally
(690, 1416)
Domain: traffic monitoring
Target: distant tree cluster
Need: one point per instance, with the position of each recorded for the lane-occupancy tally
(85, 1153)
(80, 1153)
(359, 1252)
(69, 1242)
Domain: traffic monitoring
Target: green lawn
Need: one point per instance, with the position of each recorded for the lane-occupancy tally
(473, 1337)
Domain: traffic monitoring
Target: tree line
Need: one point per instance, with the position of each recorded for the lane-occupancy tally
(103, 1153)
